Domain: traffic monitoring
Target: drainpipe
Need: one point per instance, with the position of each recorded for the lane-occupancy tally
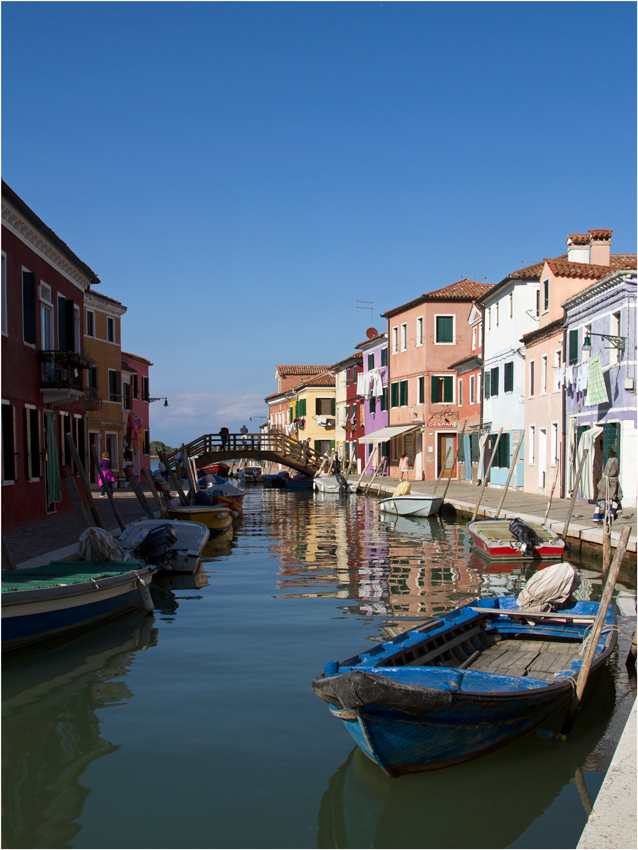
(480, 472)
(563, 401)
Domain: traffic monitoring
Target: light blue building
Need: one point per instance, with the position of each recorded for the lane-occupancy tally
(600, 384)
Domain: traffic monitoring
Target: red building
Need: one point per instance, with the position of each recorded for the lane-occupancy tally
(43, 399)
(135, 408)
(469, 372)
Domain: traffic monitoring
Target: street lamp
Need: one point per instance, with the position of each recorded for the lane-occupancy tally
(160, 399)
(618, 342)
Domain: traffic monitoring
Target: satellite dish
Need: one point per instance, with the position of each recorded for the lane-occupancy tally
(371, 333)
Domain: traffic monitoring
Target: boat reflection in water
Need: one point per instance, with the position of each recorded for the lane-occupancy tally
(489, 802)
(51, 730)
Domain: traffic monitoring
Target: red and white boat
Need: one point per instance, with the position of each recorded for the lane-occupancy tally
(501, 539)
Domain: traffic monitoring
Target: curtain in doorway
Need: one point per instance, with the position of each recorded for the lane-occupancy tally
(570, 453)
(586, 441)
(467, 449)
(54, 483)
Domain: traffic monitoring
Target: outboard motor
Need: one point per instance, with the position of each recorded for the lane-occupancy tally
(525, 535)
(154, 548)
(341, 481)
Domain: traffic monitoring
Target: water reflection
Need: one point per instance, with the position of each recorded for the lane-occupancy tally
(51, 730)
(362, 807)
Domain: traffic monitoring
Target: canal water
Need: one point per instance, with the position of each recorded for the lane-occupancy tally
(195, 727)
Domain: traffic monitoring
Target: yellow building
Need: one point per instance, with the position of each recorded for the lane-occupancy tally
(102, 339)
(312, 411)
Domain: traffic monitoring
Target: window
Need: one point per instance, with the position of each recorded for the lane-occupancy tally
(354, 374)
(532, 378)
(146, 448)
(486, 383)
(384, 399)
(404, 337)
(394, 394)
(373, 404)
(347, 377)
(543, 374)
(508, 377)
(370, 362)
(135, 388)
(9, 471)
(531, 449)
(46, 318)
(115, 385)
(557, 370)
(419, 331)
(444, 330)
(442, 389)
(460, 391)
(324, 407)
(553, 446)
(65, 428)
(473, 337)
(76, 329)
(32, 443)
(395, 340)
(110, 329)
(573, 347)
(28, 308)
(145, 389)
(538, 302)
(384, 356)
(90, 323)
(472, 389)
(421, 390)
(502, 456)
(111, 446)
(403, 393)
(127, 397)
(545, 296)
(3, 304)
(494, 381)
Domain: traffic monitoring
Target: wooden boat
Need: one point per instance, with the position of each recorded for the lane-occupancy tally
(65, 596)
(460, 686)
(220, 468)
(216, 518)
(227, 494)
(299, 484)
(411, 505)
(332, 484)
(493, 538)
(184, 555)
(250, 473)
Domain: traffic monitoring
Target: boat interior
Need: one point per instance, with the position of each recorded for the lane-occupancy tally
(473, 645)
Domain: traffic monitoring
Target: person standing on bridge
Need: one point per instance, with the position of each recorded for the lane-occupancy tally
(223, 433)
(244, 435)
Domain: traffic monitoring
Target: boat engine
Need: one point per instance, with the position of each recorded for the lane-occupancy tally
(154, 548)
(526, 536)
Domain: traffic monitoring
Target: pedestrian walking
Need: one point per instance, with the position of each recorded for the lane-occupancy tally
(106, 473)
(244, 435)
(404, 466)
(609, 494)
(223, 433)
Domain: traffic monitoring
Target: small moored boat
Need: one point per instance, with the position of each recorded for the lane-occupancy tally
(216, 518)
(65, 596)
(462, 685)
(183, 556)
(334, 484)
(411, 505)
(509, 540)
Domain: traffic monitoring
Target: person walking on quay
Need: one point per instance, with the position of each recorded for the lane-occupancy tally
(404, 466)
(306, 450)
(106, 473)
(609, 495)
(223, 433)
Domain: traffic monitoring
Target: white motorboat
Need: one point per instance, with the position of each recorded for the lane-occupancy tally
(334, 484)
(184, 555)
(412, 504)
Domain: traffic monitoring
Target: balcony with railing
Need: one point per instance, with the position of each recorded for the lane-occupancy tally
(61, 375)
(92, 400)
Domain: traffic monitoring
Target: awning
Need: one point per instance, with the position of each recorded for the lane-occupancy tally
(387, 433)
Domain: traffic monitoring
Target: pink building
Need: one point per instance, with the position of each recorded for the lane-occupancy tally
(135, 411)
(426, 336)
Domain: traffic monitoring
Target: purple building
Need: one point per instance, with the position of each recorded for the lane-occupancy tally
(600, 382)
(372, 386)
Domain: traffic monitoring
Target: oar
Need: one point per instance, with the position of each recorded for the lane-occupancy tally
(596, 631)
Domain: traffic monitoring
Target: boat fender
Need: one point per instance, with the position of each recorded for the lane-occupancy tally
(145, 594)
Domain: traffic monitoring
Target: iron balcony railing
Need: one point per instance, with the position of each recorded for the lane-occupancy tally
(61, 370)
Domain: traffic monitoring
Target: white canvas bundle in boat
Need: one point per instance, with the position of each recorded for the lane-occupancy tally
(95, 544)
(549, 589)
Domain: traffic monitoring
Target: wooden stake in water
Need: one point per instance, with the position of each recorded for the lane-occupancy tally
(509, 477)
(487, 474)
(594, 635)
(149, 480)
(84, 481)
(107, 490)
(74, 495)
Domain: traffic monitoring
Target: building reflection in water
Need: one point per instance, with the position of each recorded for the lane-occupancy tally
(51, 732)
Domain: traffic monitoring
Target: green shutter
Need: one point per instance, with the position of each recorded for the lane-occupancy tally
(384, 399)
(448, 389)
(445, 328)
(486, 383)
(573, 347)
(403, 392)
(434, 389)
(370, 362)
(508, 377)
(494, 382)
(373, 404)
(394, 394)
(421, 399)
(333, 403)
(384, 356)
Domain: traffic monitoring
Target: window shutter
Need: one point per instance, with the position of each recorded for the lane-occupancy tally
(573, 347)
(434, 389)
(384, 356)
(445, 329)
(384, 399)
(394, 390)
(508, 378)
(403, 387)
(8, 444)
(373, 402)
(494, 381)
(333, 406)
(370, 361)
(448, 389)
(486, 384)
(61, 323)
(69, 344)
(28, 308)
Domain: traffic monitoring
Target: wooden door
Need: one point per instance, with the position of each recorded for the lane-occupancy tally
(446, 446)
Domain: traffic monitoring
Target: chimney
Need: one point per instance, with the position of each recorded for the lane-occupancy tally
(578, 247)
(600, 247)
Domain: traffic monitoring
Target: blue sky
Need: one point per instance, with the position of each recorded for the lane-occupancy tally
(240, 175)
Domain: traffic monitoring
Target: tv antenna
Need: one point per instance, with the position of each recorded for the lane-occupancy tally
(370, 308)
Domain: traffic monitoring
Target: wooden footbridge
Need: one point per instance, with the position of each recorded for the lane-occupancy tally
(275, 447)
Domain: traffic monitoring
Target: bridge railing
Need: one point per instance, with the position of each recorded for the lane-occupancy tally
(273, 442)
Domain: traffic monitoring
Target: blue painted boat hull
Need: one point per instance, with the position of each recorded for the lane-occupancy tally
(409, 717)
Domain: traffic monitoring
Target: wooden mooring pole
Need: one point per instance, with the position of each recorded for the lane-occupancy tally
(74, 496)
(487, 474)
(84, 481)
(454, 462)
(136, 488)
(509, 477)
(149, 480)
(107, 489)
(572, 502)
